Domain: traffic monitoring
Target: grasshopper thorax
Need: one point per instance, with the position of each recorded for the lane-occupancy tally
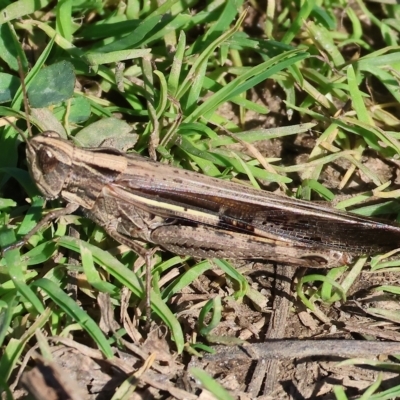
(49, 160)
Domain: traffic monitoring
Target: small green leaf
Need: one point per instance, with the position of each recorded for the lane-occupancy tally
(10, 47)
(52, 85)
(8, 87)
(101, 132)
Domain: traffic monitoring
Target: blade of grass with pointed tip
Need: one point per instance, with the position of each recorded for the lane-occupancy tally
(245, 82)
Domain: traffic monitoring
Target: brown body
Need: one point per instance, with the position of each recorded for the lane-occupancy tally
(191, 214)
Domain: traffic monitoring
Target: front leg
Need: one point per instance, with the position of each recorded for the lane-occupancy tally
(69, 209)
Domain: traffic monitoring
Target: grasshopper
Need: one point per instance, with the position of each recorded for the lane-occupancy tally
(138, 200)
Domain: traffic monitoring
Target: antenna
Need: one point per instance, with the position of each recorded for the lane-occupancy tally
(24, 94)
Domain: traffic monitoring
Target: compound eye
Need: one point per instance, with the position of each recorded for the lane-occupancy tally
(47, 161)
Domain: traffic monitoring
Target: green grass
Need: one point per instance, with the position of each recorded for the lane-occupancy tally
(155, 80)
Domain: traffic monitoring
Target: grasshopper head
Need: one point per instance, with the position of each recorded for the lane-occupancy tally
(49, 160)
